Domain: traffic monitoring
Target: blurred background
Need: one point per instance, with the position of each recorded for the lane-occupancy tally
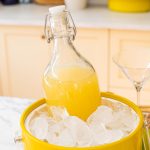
(103, 28)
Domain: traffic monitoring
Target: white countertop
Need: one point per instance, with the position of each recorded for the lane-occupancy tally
(92, 17)
(10, 112)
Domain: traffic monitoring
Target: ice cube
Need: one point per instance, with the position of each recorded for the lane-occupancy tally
(103, 114)
(107, 136)
(80, 131)
(71, 131)
(124, 119)
(97, 131)
(54, 132)
(66, 139)
(97, 128)
(39, 127)
(51, 121)
(129, 121)
(59, 113)
(59, 134)
(115, 135)
(116, 122)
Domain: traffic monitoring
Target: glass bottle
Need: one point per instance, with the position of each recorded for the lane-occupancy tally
(69, 79)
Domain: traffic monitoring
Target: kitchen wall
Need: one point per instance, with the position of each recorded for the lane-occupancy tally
(97, 2)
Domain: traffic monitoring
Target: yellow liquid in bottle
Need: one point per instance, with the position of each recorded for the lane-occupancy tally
(74, 88)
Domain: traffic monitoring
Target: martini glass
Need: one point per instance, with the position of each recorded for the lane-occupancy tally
(135, 64)
(136, 67)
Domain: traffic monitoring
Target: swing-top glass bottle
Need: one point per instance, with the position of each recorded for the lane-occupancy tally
(69, 79)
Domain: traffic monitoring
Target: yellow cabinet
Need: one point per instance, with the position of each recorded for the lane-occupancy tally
(127, 40)
(24, 54)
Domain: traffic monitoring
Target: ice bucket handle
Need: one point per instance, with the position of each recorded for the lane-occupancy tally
(18, 137)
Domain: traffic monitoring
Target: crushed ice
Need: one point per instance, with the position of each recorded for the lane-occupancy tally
(107, 124)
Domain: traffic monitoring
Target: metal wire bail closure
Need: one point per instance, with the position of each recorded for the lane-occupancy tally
(47, 30)
(70, 26)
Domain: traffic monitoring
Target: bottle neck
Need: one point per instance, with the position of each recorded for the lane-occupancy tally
(63, 51)
(61, 44)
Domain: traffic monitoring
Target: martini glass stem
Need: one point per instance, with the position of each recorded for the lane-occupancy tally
(138, 87)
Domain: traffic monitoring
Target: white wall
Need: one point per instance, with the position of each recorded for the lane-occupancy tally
(97, 2)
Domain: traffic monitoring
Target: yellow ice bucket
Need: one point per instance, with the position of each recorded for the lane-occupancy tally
(129, 5)
(132, 142)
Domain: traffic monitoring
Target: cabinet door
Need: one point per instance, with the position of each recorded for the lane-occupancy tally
(93, 45)
(24, 55)
(1, 92)
(134, 41)
(1, 61)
